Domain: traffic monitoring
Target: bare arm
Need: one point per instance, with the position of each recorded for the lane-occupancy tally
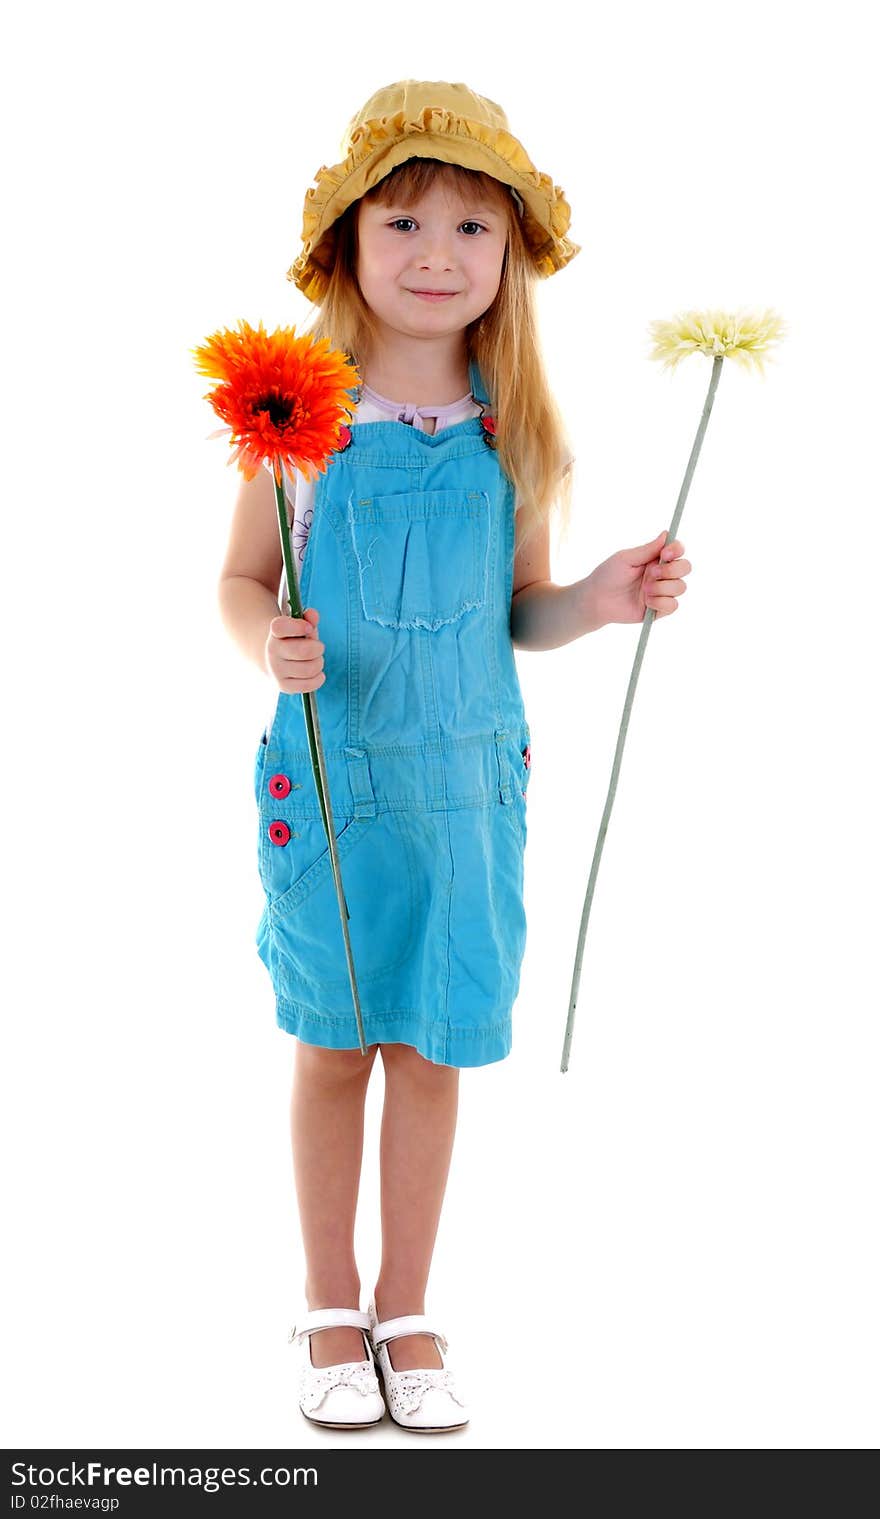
(247, 609)
(544, 615)
(251, 572)
(287, 648)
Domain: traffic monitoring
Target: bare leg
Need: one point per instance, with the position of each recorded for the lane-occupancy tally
(327, 1131)
(418, 1130)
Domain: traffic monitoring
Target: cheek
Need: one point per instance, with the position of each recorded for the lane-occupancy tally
(378, 265)
(487, 277)
(490, 264)
(369, 271)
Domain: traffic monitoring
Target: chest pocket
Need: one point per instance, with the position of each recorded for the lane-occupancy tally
(422, 556)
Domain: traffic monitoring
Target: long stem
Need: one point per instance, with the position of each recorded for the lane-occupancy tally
(316, 748)
(647, 624)
(294, 605)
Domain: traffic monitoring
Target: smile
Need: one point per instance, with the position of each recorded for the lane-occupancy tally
(429, 295)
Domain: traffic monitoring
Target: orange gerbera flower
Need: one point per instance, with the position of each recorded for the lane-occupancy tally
(282, 396)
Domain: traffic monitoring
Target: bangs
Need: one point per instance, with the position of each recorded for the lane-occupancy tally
(410, 180)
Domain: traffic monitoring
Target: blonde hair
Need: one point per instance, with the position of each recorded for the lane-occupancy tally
(532, 439)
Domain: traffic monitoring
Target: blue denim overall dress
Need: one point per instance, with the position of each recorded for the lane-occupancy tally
(409, 561)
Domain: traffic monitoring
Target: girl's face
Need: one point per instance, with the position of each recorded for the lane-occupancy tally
(442, 243)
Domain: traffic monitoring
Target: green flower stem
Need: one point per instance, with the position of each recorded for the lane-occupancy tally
(316, 750)
(647, 623)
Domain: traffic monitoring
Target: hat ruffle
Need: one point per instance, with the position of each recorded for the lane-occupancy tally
(379, 144)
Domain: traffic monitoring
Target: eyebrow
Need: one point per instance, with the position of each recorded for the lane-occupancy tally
(480, 208)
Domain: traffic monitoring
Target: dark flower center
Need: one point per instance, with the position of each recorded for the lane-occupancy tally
(281, 408)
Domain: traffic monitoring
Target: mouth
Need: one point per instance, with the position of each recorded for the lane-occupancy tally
(435, 295)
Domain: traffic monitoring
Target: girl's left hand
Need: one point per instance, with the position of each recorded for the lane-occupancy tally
(632, 580)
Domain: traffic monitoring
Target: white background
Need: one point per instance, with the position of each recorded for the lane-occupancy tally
(675, 1243)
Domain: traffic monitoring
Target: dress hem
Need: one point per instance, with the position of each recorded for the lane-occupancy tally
(439, 1042)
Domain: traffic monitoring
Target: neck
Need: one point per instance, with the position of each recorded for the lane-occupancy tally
(426, 372)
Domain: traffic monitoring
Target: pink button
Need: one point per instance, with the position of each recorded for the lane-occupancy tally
(527, 756)
(279, 832)
(279, 785)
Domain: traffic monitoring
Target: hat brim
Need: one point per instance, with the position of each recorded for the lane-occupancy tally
(451, 139)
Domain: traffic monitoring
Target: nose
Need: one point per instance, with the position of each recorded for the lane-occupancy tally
(435, 252)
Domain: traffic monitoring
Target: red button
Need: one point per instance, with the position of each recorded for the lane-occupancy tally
(279, 832)
(279, 785)
(527, 756)
(344, 438)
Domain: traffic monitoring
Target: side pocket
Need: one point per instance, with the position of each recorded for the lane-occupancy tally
(295, 856)
(260, 765)
(526, 756)
(377, 876)
(521, 762)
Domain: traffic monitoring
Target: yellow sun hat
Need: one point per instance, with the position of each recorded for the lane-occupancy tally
(429, 119)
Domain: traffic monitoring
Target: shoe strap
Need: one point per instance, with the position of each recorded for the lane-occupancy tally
(329, 1318)
(408, 1323)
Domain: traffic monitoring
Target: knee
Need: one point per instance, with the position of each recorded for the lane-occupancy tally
(334, 1067)
(410, 1065)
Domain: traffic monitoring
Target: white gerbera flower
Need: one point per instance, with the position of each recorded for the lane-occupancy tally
(742, 335)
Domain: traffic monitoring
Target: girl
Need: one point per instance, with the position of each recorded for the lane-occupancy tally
(424, 550)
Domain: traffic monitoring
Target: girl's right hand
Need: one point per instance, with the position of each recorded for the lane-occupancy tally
(295, 653)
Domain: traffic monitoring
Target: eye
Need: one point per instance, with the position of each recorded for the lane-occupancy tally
(398, 219)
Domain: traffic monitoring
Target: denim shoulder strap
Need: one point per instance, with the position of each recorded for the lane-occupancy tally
(478, 389)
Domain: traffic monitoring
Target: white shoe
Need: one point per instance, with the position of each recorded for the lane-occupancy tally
(426, 1399)
(346, 1396)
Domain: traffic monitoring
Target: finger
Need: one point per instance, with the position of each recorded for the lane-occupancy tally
(643, 553)
(662, 605)
(305, 651)
(299, 684)
(675, 567)
(666, 587)
(672, 550)
(291, 627)
(302, 674)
